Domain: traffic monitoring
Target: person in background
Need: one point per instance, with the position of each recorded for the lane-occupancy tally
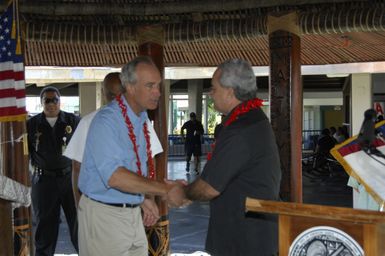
(333, 132)
(48, 135)
(340, 136)
(193, 141)
(345, 132)
(117, 170)
(324, 144)
(244, 163)
(75, 149)
(379, 118)
(112, 87)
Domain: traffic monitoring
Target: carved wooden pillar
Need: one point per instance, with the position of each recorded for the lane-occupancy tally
(6, 241)
(286, 99)
(151, 42)
(15, 164)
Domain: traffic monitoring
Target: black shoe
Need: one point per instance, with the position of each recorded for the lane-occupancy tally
(196, 172)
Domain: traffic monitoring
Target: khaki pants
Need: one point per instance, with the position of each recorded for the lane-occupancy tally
(109, 230)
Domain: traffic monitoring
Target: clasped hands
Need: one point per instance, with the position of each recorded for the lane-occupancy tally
(176, 195)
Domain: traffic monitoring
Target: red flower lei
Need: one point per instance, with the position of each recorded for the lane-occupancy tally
(241, 109)
(131, 135)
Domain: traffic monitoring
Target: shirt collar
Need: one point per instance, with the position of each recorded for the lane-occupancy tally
(131, 114)
(60, 116)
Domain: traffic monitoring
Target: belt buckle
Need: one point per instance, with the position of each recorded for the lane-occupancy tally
(128, 205)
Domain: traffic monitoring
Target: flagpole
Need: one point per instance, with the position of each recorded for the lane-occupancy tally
(15, 166)
(14, 157)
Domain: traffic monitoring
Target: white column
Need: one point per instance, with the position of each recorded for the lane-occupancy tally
(99, 95)
(361, 100)
(87, 98)
(167, 84)
(195, 90)
(361, 96)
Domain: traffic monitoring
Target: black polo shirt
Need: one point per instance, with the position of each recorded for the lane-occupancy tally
(245, 163)
(46, 143)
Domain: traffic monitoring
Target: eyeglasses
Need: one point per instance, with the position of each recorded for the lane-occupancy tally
(54, 100)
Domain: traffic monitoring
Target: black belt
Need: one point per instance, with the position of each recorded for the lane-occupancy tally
(126, 205)
(53, 173)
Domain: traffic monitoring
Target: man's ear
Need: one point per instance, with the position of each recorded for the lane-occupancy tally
(230, 93)
(130, 88)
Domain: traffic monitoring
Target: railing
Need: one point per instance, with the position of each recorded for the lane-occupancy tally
(176, 142)
(309, 139)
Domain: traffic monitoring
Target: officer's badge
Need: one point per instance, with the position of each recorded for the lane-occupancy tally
(68, 129)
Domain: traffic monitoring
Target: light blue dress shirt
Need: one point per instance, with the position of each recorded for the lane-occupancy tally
(108, 147)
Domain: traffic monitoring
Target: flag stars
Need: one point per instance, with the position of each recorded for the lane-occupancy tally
(1, 38)
(4, 49)
(9, 42)
(5, 19)
(6, 30)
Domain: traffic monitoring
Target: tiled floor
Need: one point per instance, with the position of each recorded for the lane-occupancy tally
(188, 225)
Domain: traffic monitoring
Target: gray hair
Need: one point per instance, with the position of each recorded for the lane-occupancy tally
(128, 74)
(239, 75)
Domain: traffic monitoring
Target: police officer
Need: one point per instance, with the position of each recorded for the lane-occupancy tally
(48, 134)
(194, 130)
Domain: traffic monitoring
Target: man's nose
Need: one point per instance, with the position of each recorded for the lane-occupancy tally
(156, 91)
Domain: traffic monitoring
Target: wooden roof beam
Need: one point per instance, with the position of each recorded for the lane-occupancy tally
(160, 8)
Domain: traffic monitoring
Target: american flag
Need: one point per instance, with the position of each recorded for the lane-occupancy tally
(12, 83)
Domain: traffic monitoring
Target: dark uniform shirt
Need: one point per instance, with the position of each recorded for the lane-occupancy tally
(194, 131)
(245, 163)
(46, 144)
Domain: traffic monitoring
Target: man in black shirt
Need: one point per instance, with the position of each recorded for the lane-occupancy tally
(324, 144)
(48, 134)
(244, 163)
(193, 140)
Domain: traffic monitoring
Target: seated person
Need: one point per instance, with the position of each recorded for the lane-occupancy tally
(324, 144)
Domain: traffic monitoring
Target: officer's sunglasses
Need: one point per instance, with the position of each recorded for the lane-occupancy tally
(54, 100)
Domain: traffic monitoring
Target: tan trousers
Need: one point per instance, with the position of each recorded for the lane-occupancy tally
(109, 230)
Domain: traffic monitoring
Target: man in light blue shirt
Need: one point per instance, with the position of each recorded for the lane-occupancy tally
(117, 160)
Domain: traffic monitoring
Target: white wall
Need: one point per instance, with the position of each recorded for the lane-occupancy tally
(87, 98)
(361, 98)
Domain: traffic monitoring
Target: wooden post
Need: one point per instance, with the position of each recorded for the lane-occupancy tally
(15, 166)
(286, 100)
(6, 241)
(151, 42)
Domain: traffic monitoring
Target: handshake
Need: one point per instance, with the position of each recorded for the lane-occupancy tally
(175, 197)
(176, 193)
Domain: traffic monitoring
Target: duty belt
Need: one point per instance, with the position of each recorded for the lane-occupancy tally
(52, 173)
